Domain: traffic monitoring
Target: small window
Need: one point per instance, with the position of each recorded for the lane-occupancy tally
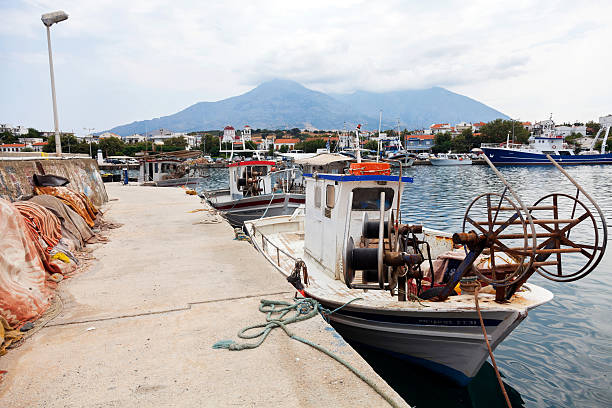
(368, 199)
(317, 197)
(330, 196)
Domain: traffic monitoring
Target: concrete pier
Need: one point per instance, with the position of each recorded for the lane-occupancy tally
(137, 326)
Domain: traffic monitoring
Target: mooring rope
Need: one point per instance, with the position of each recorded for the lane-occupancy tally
(303, 309)
(484, 332)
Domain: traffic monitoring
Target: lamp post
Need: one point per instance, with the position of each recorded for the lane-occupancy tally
(48, 20)
(89, 132)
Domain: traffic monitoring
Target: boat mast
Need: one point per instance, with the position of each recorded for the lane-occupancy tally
(357, 146)
(379, 140)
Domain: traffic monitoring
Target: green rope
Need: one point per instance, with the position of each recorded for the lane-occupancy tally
(277, 312)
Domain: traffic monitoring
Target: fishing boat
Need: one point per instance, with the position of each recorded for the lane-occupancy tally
(257, 189)
(393, 287)
(450, 159)
(171, 169)
(546, 142)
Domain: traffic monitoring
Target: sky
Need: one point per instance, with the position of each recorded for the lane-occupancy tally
(118, 61)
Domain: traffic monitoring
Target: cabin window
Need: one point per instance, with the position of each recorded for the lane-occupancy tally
(564, 153)
(368, 199)
(549, 152)
(157, 167)
(330, 196)
(317, 197)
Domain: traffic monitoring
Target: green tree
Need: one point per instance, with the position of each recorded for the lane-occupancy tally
(311, 146)
(295, 131)
(371, 145)
(442, 143)
(8, 137)
(111, 146)
(210, 144)
(595, 126)
(70, 144)
(498, 130)
(176, 142)
(284, 149)
(465, 142)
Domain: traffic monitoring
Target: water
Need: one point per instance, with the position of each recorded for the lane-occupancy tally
(561, 355)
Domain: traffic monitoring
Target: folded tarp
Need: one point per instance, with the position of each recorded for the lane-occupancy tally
(23, 293)
(44, 229)
(79, 202)
(72, 223)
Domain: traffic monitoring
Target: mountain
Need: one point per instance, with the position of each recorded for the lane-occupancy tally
(417, 109)
(287, 104)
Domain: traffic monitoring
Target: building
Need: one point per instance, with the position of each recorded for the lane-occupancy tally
(106, 135)
(39, 146)
(12, 147)
(528, 126)
(565, 131)
(290, 143)
(229, 135)
(419, 143)
(476, 126)
(15, 130)
(30, 140)
(440, 128)
(246, 133)
(135, 138)
(461, 126)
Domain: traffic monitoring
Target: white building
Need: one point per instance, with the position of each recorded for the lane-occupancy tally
(12, 147)
(229, 135)
(135, 138)
(440, 128)
(30, 140)
(246, 133)
(461, 126)
(568, 130)
(38, 147)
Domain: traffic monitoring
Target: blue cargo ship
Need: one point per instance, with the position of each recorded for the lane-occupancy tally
(542, 144)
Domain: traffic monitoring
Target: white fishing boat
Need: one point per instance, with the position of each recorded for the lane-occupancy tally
(257, 190)
(170, 169)
(451, 159)
(346, 245)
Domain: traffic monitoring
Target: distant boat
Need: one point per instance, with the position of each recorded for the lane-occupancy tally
(545, 142)
(451, 159)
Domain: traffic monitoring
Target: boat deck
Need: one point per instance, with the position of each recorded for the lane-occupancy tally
(283, 242)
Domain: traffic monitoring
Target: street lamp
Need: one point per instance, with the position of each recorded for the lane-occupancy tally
(89, 130)
(48, 20)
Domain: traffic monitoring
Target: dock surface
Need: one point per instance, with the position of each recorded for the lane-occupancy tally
(136, 328)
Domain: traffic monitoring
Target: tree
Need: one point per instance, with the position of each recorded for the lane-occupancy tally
(594, 126)
(465, 142)
(295, 131)
(498, 130)
(210, 144)
(284, 149)
(8, 137)
(69, 144)
(311, 146)
(371, 145)
(33, 133)
(111, 146)
(442, 143)
(176, 142)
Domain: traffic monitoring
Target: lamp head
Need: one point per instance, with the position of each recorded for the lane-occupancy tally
(49, 19)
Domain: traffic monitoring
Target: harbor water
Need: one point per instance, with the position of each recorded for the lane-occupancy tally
(561, 354)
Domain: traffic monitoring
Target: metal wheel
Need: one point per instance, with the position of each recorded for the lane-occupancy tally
(487, 216)
(573, 239)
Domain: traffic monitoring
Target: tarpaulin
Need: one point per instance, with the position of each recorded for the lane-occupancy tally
(23, 294)
(77, 201)
(73, 224)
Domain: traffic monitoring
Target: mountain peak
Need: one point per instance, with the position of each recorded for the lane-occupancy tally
(283, 103)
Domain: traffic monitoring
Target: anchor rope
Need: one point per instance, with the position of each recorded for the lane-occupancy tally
(484, 332)
(278, 315)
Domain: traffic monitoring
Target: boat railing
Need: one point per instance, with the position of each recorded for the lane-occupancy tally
(265, 243)
(509, 145)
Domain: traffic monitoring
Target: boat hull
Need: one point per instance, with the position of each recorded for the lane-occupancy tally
(252, 208)
(499, 156)
(448, 343)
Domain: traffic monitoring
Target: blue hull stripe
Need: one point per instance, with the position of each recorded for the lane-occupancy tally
(366, 177)
(419, 321)
(504, 156)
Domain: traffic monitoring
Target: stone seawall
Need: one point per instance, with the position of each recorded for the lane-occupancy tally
(84, 176)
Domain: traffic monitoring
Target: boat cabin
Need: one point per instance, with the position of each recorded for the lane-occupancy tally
(336, 205)
(158, 169)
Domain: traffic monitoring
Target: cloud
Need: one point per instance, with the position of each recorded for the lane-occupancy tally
(152, 57)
